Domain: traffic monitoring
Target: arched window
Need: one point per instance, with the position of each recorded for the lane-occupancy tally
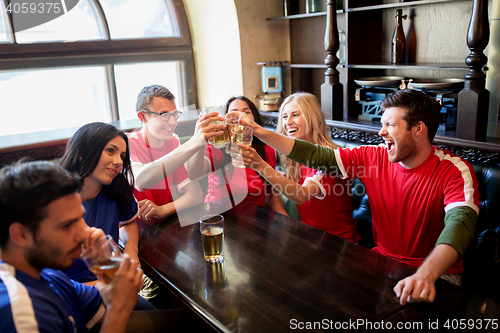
(151, 19)
(90, 63)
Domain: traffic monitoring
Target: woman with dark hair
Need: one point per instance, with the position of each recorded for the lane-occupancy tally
(99, 154)
(240, 184)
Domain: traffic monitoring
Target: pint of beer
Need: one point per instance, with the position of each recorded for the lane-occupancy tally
(103, 258)
(212, 233)
(232, 120)
(105, 268)
(218, 141)
(240, 134)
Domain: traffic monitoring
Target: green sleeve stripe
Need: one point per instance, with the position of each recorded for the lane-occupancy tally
(459, 228)
(313, 156)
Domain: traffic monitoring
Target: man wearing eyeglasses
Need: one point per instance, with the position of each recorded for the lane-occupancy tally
(157, 157)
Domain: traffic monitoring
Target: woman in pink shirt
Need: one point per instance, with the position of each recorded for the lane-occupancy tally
(235, 186)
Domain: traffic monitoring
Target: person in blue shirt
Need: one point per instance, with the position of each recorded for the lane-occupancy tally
(42, 231)
(99, 154)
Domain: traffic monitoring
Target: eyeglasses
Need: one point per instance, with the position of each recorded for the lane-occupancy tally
(165, 116)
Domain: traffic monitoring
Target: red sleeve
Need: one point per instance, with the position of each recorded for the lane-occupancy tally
(461, 186)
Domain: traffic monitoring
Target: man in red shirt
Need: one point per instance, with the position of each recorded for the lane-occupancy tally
(157, 157)
(424, 200)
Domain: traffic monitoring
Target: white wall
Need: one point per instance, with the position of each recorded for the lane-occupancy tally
(229, 38)
(493, 73)
(217, 51)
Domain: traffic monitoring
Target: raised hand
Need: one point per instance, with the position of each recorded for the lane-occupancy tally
(205, 128)
(244, 119)
(251, 158)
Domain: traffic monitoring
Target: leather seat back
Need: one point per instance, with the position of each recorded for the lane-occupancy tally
(482, 260)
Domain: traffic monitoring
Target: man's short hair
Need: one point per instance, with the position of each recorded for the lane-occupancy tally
(147, 94)
(27, 188)
(418, 107)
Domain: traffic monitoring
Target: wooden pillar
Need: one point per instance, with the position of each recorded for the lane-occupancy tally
(473, 100)
(332, 91)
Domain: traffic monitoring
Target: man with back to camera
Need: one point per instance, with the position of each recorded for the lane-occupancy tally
(424, 200)
(41, 231)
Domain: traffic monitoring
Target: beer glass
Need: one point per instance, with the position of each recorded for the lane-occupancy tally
(240, 134)
(103, 258)
(232, 121)
(218, 141)
(212, 233)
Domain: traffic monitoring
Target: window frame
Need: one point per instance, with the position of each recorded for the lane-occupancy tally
(107, 53)
(50, 144)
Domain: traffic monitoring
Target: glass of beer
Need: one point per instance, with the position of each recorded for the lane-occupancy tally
(212, 233)
(232, 121)
(218, 141)
(103, 258)
(240, 134)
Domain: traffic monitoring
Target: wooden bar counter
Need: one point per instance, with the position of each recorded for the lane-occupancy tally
(278, 275)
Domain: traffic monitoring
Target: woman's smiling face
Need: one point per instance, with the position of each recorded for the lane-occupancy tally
(111, 161)
(293, 121)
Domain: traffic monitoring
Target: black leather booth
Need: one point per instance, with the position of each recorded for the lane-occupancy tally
(482, 260)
